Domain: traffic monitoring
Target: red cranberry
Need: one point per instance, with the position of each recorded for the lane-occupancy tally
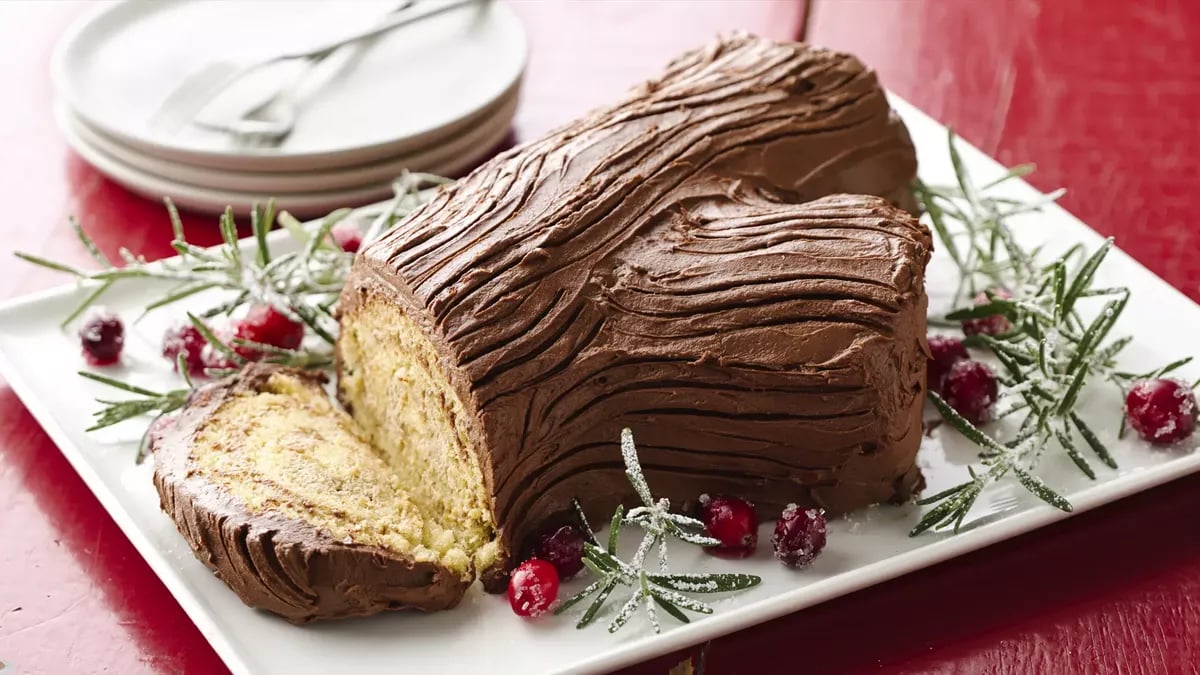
(799, 536)
(1161, 411)
(185, 339)
(996, 324)
(971, 389)
(562, 548)
(944, 352)
(266, 325)
(532, 588)
(102, 336)
(732, 521)
(347, 235)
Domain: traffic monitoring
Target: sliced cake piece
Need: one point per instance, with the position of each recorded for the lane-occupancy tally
(277, 491)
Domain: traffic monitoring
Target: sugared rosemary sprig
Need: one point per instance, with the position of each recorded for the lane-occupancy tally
(303, 284)
(1048, 356)
(146, 402)
(661, 589)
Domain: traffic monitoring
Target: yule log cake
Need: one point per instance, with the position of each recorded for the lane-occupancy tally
(716, 262)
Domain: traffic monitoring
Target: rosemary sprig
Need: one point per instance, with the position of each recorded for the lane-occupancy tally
(302, 284)
(1048, 356)
(146, 402)
(662, 590)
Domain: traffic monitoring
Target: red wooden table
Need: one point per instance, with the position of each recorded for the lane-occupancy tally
(1100, 93)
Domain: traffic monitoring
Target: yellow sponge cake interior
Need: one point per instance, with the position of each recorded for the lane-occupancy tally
(390, 381)
(284, 448)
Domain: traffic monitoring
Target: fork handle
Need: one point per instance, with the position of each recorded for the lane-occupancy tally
(393, 21)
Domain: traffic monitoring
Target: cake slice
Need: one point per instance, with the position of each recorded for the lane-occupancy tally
(277, 492)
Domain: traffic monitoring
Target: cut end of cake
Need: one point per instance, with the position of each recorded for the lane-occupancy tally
(313, 521)
(390, 380)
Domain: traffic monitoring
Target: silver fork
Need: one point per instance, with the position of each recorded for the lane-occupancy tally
(184, 105)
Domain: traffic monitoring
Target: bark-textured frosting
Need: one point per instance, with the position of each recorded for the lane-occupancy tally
(280, 564)
(660, 264)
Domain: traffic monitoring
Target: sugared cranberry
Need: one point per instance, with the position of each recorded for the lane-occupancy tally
(1161, 411)
(266, 325)
(532, 588)
(347, 235)
(102, 336)
(562, 548)
(996, 324)
(733, 522)
(971, 389)
(944, 351)
(799, 536)
(185, 339)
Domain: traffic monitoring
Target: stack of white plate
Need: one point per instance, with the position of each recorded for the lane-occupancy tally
(436, 96)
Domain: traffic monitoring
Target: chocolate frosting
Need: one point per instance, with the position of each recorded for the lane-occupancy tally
(675, 264)
(275, 563)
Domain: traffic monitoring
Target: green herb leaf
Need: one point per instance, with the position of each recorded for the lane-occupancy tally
(1064, 439)
(614, 529)
(672, 610)
(963, 426)
(588, 533)
(1093, 441)
(1043, 491)
(594, 608)
(706, 583)
(578, 597)
(1083, 278)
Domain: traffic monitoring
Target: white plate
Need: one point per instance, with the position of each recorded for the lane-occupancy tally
(416, 84)
(482, 635)
(446, 157)
(456, 156)
(148, 174)
(207, 200)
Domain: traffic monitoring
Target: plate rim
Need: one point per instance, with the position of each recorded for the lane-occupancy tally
(442, 157)
(211, 201)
